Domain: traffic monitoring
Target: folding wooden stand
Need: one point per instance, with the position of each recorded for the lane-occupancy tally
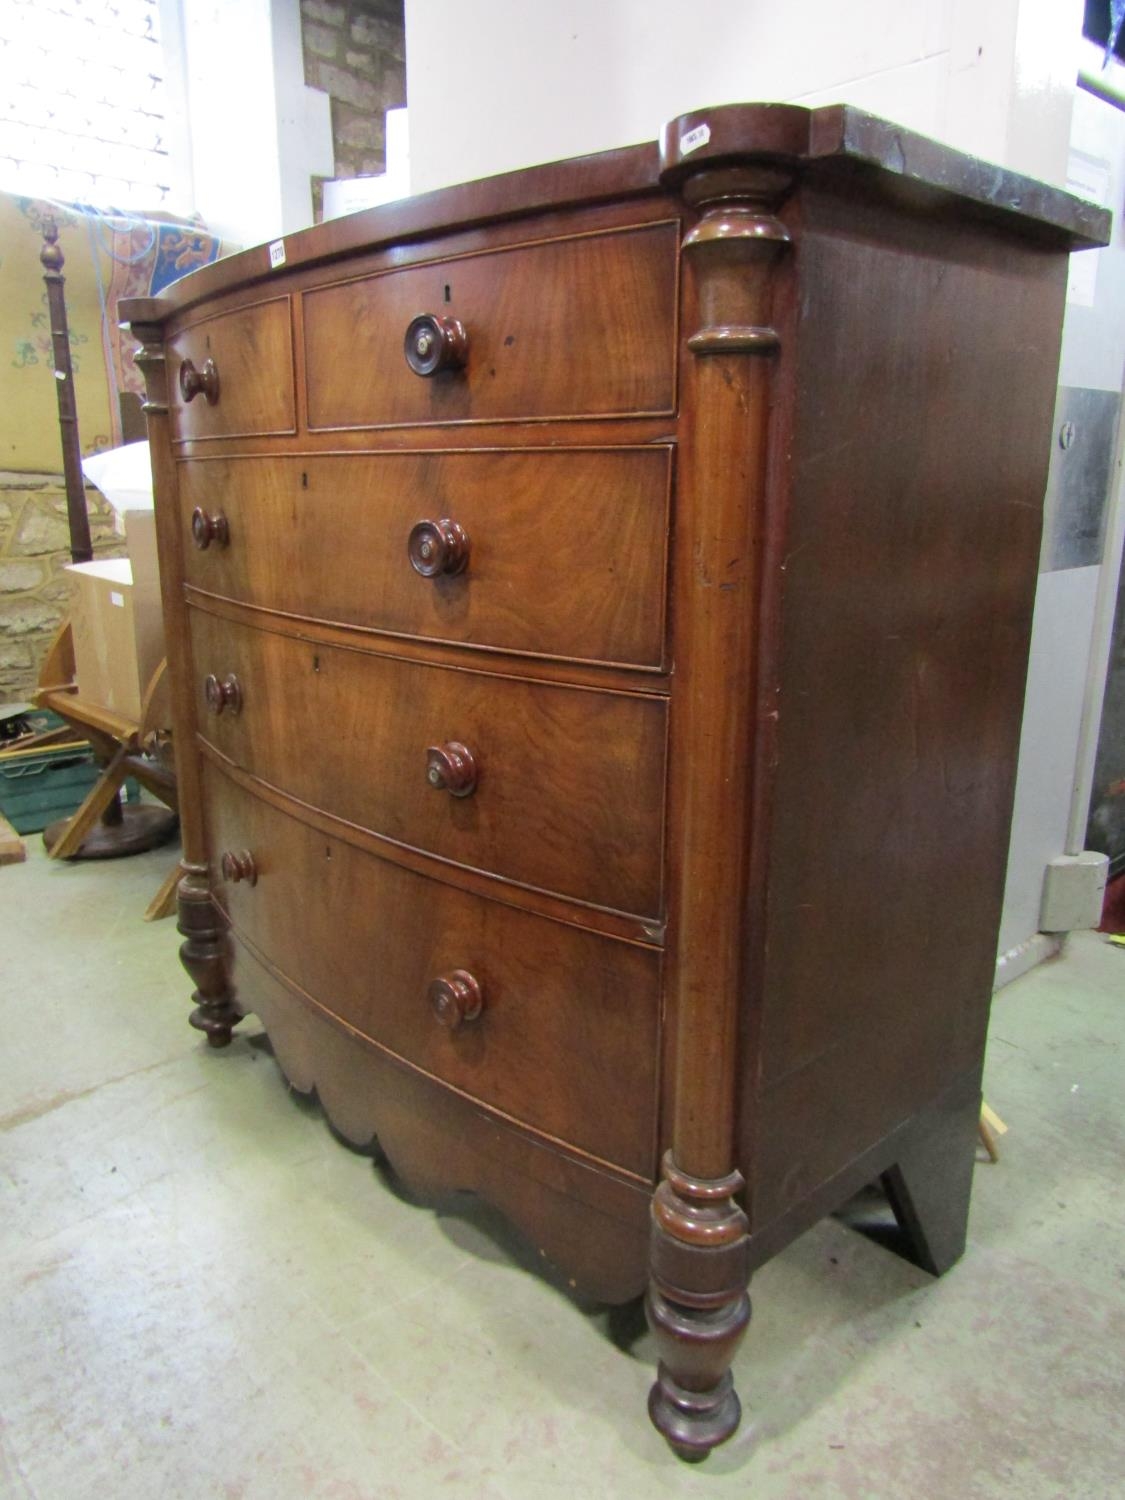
(104, 828)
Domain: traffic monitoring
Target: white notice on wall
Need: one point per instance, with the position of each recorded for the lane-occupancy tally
(1088, 177)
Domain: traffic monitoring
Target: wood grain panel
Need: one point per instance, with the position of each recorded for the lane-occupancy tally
(588, 1223)
(253, 352)
(571, 781)
(566, 549)
(905, 611)
(567, 1040)
(571, 327)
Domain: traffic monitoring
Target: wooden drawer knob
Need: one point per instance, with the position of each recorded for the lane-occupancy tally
(239, 867)
(434, 343)
(193, 382)
(223, 695)
(451, 768)
(436, 547)
(206, 529)
(456, 997)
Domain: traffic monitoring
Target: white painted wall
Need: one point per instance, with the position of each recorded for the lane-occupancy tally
(1073, 607)
(1056, 682)
(494, 85)
(257, 133)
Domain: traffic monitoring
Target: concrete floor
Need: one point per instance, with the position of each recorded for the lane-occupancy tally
(207, 1296)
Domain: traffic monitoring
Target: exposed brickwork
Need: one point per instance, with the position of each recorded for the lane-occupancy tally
(356, 51)
(34, 550)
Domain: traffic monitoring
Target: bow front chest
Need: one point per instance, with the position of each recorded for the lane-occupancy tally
(597, 606)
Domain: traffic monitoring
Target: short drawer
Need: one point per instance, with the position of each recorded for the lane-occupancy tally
(553, 553)
(231, 375)
(555, 787)
(561, 1026)
(580, 326)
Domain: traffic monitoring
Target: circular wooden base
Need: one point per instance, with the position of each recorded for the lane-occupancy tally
(143, 826)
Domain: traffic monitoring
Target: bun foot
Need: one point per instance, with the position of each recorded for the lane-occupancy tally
(216, 1028)
(698, 1308)
(693, 1422)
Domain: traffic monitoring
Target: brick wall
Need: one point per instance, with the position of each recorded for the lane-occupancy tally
(34, 590)
(355, 50)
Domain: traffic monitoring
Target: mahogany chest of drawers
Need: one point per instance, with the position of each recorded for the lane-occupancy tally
(597, 605)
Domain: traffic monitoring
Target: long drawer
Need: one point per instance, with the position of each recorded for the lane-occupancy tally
(552, 552)
(231, 374)
(564, 1034)
(576, 326)
(559, 788)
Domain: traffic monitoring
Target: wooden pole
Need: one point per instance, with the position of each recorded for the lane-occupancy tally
(51, 257)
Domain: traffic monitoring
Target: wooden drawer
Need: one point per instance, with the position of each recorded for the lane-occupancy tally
(570, 781)
(584, 326)
(251, 352)
(563, 555)
(566, 1039)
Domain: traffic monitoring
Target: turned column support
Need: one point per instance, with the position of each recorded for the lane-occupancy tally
(205, 950)
(203, 954)
(697, 1303)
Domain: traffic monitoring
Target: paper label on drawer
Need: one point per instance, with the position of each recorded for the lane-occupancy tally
(118, 599)
(277, 254)
(694, 139)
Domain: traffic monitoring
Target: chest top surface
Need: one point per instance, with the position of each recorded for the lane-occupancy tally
(833, 140)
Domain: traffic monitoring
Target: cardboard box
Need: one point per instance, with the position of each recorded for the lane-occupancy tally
(140, 543)
(118, 634)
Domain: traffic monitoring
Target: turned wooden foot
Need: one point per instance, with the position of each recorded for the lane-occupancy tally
(204, 956)
(931, 1181)
(697, 1307)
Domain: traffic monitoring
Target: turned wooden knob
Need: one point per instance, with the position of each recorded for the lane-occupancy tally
(434, 343)
(456, 997)
(223, 695)
(437, 547)
(239, 867)
(451, 768)
(205, 381)
(206, 529)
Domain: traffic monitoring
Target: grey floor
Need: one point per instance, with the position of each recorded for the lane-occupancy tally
(205, 1295)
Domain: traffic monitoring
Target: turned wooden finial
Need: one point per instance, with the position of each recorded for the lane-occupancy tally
(51, 257)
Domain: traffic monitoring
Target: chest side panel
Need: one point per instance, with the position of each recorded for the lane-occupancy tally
(922, 421)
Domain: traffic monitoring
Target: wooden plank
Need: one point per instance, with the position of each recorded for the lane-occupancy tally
(98, 799)
(164, 902)
(86, 715)
(13, 850)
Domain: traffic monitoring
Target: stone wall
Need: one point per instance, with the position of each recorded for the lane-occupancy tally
(34, 590)
(356, 51)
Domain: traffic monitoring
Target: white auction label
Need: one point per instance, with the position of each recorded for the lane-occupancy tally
(116, 598)
(694, 139)
(277, 254)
